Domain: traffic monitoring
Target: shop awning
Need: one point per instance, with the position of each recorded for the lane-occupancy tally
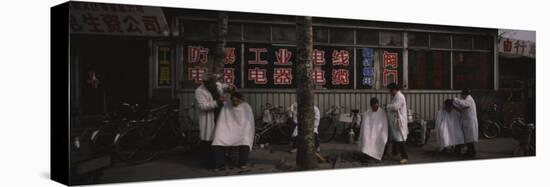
(117, 19)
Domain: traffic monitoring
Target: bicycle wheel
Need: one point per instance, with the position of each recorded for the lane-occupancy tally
(490, 129)
(103, 137)
(284, 131)
(327, 129)
(135, 145)
(414, 138)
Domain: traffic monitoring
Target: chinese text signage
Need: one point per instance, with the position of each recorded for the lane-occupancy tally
(116, 19)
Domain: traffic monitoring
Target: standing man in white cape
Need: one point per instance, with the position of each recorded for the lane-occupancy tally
(234, 128)
(467, 106)
(448, 126)
(374, 131)
(398, 122)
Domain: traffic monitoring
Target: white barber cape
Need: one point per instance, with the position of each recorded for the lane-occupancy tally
(205, 106)
(235, 126)
(374, 133)
(294, 117)
(448, 128)
(397, 116)
(469, 118)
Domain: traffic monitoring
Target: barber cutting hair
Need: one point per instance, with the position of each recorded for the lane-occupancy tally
(467, 107)
(397, 119)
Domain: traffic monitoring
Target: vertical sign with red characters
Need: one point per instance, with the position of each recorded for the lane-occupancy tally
(197, 58)
(390, 65)
(333, 67)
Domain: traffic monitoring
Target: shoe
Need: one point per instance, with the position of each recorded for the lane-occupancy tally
(395, 157)
(318, 149)
(243, 167)
(403, 161)
(220, 169)
(470, 155)
(292, 150)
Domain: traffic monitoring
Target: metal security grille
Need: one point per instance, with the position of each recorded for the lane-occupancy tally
(425, 103)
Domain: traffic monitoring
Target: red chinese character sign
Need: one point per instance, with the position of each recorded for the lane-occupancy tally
(332, 67)
(258, 55)
(197, 59)
(229, 55)
(318, 56)
(197, 54)
(340, 57)
(390, 66)
(282, 76)
(269, 66)
(196, 74)
(318, 76)
(515, 47)
(340, 77)
(229, 75)
(283, 57)
(338, 68)
(258, 75)
(117, 19)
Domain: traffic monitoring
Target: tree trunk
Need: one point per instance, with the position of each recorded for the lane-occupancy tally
(219, 53)
(305, 157)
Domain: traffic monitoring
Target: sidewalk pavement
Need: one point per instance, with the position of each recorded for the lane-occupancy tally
(181, 163)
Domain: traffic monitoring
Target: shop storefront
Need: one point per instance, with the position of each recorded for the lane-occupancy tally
(110, 54)
(140, 54)
(353, 60)
(517, 78)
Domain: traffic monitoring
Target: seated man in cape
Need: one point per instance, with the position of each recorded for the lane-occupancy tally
(234, 128)
(374, 131)
(448, 127)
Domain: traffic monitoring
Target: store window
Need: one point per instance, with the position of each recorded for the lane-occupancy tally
(429, 69)
(472, 70)
(442, 41)
(391, 39)
(462, 42)
(417, 39)
(284, 33)
(341, 36)
(483, 42)
(320, 35)
(257, 32)
(198, 30)
(368, 37)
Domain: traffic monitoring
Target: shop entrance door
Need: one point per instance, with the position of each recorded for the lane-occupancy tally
(112, 71)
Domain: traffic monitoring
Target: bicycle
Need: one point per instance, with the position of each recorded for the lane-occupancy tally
(146, 138)
(328, 125)
(492, 126)
(189, 128)
(274, 126)
(102, 137)
(419, 129)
